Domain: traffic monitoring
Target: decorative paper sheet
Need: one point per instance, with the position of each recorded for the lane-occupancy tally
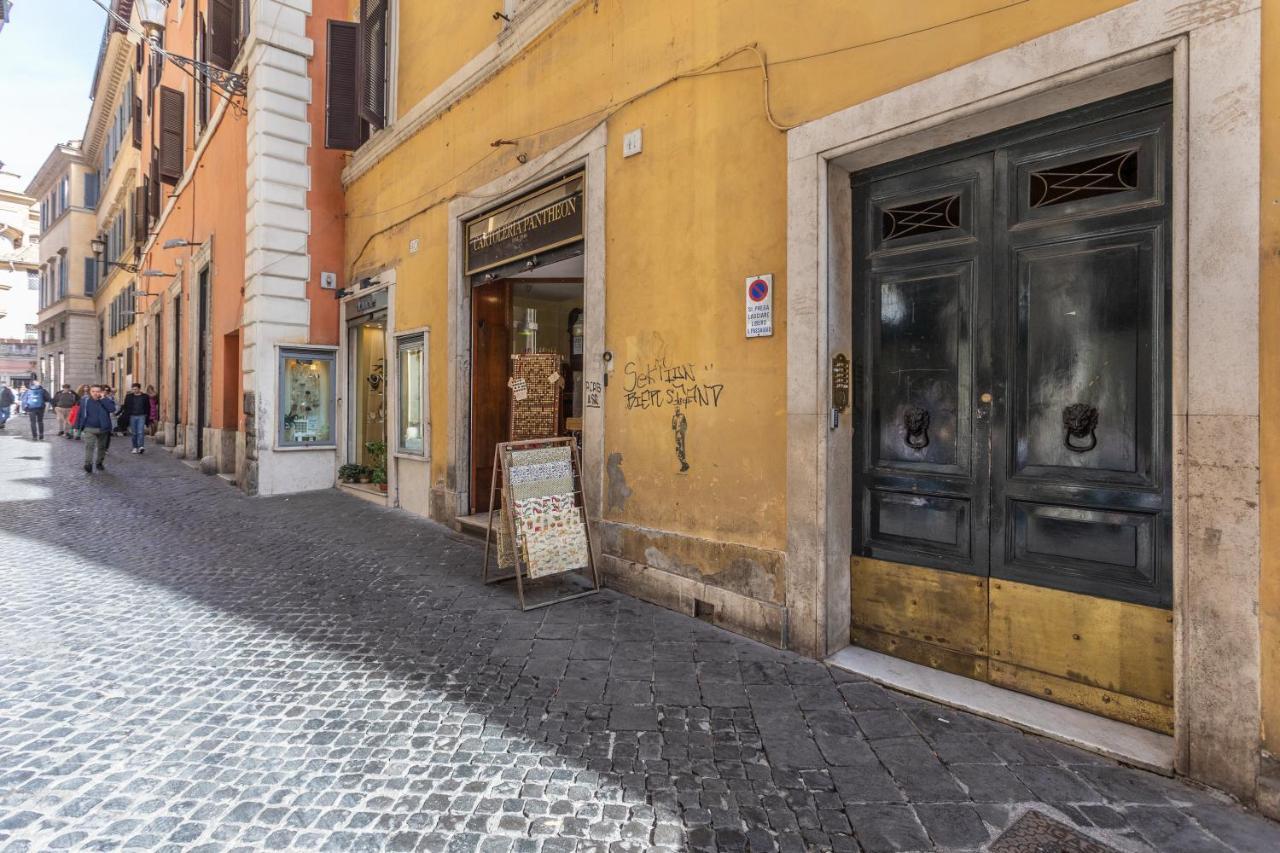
(555, 540)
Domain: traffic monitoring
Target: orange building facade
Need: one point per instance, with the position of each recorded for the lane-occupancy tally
(236, 215)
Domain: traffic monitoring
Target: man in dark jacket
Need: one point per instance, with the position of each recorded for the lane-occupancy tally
(62, 403)
(6, 404)
(33, 402)
(137, 408)
(95, 419)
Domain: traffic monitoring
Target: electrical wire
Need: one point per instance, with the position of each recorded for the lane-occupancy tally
(173, 57)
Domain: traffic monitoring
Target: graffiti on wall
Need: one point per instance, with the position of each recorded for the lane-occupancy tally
(657, 384)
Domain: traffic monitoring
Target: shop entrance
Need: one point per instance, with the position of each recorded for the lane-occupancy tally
(529, 319)
(1012, 502)
(525, 268)
(367, 380)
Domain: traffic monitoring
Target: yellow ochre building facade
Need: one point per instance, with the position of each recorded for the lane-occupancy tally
(927, 338)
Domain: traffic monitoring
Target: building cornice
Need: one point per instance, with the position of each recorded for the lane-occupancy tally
(112, 70)
(509, 44)
(52, 168)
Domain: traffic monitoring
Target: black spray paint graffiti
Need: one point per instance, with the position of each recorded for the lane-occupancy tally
(657, 384)
(680, 426)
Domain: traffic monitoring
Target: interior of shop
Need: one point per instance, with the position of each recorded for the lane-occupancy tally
(367, 343)
(535, 312)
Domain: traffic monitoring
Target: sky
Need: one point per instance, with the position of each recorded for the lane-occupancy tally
(48, 51)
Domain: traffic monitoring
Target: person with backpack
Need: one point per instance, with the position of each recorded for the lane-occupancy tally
(62, 403)
(94, 421)
(6, 404)
(33, 403)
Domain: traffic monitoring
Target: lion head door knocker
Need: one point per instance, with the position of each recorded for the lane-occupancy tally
(1080, 420)
(916, 422)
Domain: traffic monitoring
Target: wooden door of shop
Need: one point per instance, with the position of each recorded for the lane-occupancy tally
(490, 370)
(1013, 506)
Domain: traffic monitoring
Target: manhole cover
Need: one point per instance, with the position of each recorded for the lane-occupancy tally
(1036, 833)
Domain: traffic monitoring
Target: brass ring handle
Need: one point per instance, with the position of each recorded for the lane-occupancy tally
(1080, 420)
(916, 422)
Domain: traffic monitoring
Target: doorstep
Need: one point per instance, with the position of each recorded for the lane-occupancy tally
(1121, 741)
(476, 524)
(369, 493)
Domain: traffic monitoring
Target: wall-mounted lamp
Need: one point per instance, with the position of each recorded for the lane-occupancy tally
(151, 13)
(99, 247)
(499, 16)
(180, 243)
(157, 274)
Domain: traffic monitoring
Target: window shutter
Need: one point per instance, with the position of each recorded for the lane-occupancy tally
(371, 76)
(153, 198)
(137, 122)
(224, 32)
(90, 276)
(140, 214)
(172, 115)
(342, 125)
(91, 190)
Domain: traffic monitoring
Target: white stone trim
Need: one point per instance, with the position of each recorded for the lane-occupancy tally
(1212, 54)
(475, 73)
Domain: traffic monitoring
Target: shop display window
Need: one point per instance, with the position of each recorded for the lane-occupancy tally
(306, 398)
(411, 356)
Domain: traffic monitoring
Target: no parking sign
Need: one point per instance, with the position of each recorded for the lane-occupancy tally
(759, 306)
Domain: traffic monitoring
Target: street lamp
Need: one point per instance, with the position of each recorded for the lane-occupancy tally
(152, 15)
(99, 247)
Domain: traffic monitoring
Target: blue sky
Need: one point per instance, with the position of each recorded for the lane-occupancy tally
(47, 54)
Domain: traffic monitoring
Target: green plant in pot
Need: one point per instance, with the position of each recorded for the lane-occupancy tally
(364, 474)
(350, 472)
(377, 451)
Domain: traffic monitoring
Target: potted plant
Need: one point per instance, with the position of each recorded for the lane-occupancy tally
(364, 473)
(349, 473)
(377, 451)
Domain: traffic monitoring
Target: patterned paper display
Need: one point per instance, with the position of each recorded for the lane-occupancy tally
(555, 540)
(537, 413)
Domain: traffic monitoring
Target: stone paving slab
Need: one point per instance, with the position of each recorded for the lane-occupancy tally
(184, 668)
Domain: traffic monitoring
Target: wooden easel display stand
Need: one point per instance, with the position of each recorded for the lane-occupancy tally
(502, 457)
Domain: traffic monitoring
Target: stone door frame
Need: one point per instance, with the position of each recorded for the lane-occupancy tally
(584, 153)
(1212, 57)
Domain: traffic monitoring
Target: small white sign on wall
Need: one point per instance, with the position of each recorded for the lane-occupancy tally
(759, 292)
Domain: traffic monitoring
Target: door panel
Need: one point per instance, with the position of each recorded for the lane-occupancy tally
(921, 447)
(490, 370)
(1080, 464)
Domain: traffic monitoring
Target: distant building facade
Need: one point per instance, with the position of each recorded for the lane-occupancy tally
(19, 280)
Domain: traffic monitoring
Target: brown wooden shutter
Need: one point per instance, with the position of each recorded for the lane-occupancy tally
(137, 56)
(137, 122)
(172, 122)
(342, 126)
(224, 32)
(371, 76)
(153, 183)
(139, 214)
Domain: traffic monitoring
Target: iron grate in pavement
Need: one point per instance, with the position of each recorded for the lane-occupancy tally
(1037, 833)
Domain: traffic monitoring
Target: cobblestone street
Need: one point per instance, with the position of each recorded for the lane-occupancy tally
(184, 668)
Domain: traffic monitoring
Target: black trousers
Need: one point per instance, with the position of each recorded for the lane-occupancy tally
(37, 422)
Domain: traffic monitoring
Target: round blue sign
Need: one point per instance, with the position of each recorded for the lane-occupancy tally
(759, 290)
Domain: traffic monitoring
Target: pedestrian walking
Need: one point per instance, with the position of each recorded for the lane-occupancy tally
(94, 420)
(62, 403)
(34, 401)
(137, 408)
(6, 403)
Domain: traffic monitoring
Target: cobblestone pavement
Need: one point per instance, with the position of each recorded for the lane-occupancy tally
(183, 668)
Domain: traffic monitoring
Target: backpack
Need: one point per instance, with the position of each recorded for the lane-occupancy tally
(36, 398)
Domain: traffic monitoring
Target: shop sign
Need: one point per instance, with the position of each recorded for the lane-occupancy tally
(759, 306)
(547, 219)
(369, 303)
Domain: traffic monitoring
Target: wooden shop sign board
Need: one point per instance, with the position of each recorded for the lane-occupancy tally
(542, 530)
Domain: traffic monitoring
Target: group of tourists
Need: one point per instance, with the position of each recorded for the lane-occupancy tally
(89, 414)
